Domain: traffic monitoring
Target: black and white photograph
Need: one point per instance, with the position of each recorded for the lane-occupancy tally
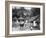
(25, 19)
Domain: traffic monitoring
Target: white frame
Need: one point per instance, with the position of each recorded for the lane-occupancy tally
(23, 32)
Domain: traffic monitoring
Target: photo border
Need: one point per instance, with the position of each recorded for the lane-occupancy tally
(7, 3)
